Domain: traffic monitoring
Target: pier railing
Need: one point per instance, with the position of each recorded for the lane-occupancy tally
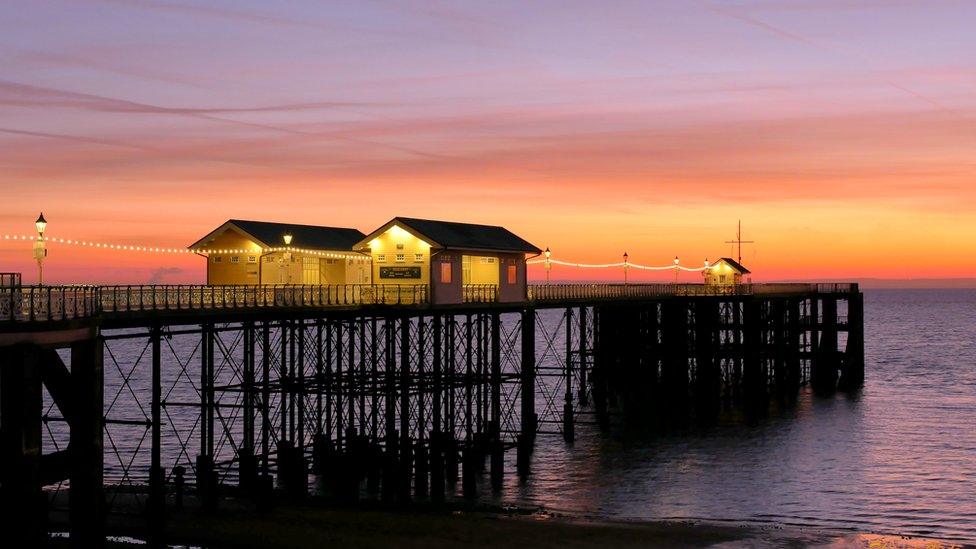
(479, 293)
(116, 299)
(541, 293)
(49, 303)
(9, 279)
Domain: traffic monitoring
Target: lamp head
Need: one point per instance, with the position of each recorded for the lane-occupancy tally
(707, 263)
(287, 238)
(675, 260)
(548, 253)
(625, 257)
(41, 224)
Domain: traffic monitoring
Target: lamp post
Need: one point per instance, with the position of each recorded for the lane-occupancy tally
(548, 264)
(626, 257)
(676, 261)
(40, 247)
(286, 259)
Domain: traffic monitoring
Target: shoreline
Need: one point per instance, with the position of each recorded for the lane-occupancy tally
(369, 525)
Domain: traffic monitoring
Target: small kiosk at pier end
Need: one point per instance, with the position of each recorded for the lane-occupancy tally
(725, 272)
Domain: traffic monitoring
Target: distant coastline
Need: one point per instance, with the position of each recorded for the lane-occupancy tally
(903, 283)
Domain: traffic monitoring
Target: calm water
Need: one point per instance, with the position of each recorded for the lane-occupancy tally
(899, 458)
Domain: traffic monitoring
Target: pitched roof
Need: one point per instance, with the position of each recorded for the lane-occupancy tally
(449, 234)
(735, 265)
(303, 236)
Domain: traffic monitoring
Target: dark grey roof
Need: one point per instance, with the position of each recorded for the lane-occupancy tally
(735, 264)
(450, 234)
(303, 236)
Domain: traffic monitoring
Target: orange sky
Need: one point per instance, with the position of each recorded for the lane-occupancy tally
(843, 136)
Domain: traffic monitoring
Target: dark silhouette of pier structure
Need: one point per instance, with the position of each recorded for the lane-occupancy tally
(139, 399)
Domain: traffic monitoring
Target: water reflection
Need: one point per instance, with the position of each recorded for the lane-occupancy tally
(898, 458)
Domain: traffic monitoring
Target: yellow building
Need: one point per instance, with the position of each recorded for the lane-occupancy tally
(458, 261)
(258, 252)
(725, 272)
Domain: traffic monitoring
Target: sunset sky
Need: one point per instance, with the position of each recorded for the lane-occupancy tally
(841, 132)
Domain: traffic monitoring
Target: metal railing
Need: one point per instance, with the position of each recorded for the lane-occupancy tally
(118, 299)
(562, 292)
(479, 293)
(9, 279)
(47, 303)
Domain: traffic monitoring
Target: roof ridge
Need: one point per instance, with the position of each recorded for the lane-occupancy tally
(292, 224)
(449, 222)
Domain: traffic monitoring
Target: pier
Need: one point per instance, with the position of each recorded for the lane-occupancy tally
(138, 399)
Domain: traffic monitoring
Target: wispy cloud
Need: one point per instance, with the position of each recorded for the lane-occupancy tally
(830, 48)
(160, 275)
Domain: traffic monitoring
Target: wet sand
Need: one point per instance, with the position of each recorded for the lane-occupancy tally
(316, 526)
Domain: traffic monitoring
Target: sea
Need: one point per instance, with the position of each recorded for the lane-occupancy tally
(897, 458)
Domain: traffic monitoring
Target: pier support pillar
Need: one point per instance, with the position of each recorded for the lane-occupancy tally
(86, 496)
(157, 476)
(825, 364)
(21, 499)
(674, 369)
(753, 372)
(528, 374)
(469, 472)
(607, 355)
(569, 430)
(852, 377)
(707, 371)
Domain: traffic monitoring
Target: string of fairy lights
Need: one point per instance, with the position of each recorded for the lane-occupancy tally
(165, 250)
(619, 264)
(548, 261)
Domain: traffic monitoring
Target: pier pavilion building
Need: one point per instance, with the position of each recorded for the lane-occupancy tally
(725, 272)
(259, 252)
(457, 261)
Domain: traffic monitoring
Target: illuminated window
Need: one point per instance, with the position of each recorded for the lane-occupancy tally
(252, 259)
(235, 259)
(380, 258)
(512, 274)
(446, 273)
(218, 259)
(400, 258)
(465, 269)
(310, 270)
(418, 257)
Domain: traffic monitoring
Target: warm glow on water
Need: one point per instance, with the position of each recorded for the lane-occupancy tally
(898, 459)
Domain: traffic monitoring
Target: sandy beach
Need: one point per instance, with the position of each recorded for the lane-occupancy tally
(293, 526)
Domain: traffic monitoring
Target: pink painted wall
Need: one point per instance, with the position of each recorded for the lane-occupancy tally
(442, 293)
(511, 293)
